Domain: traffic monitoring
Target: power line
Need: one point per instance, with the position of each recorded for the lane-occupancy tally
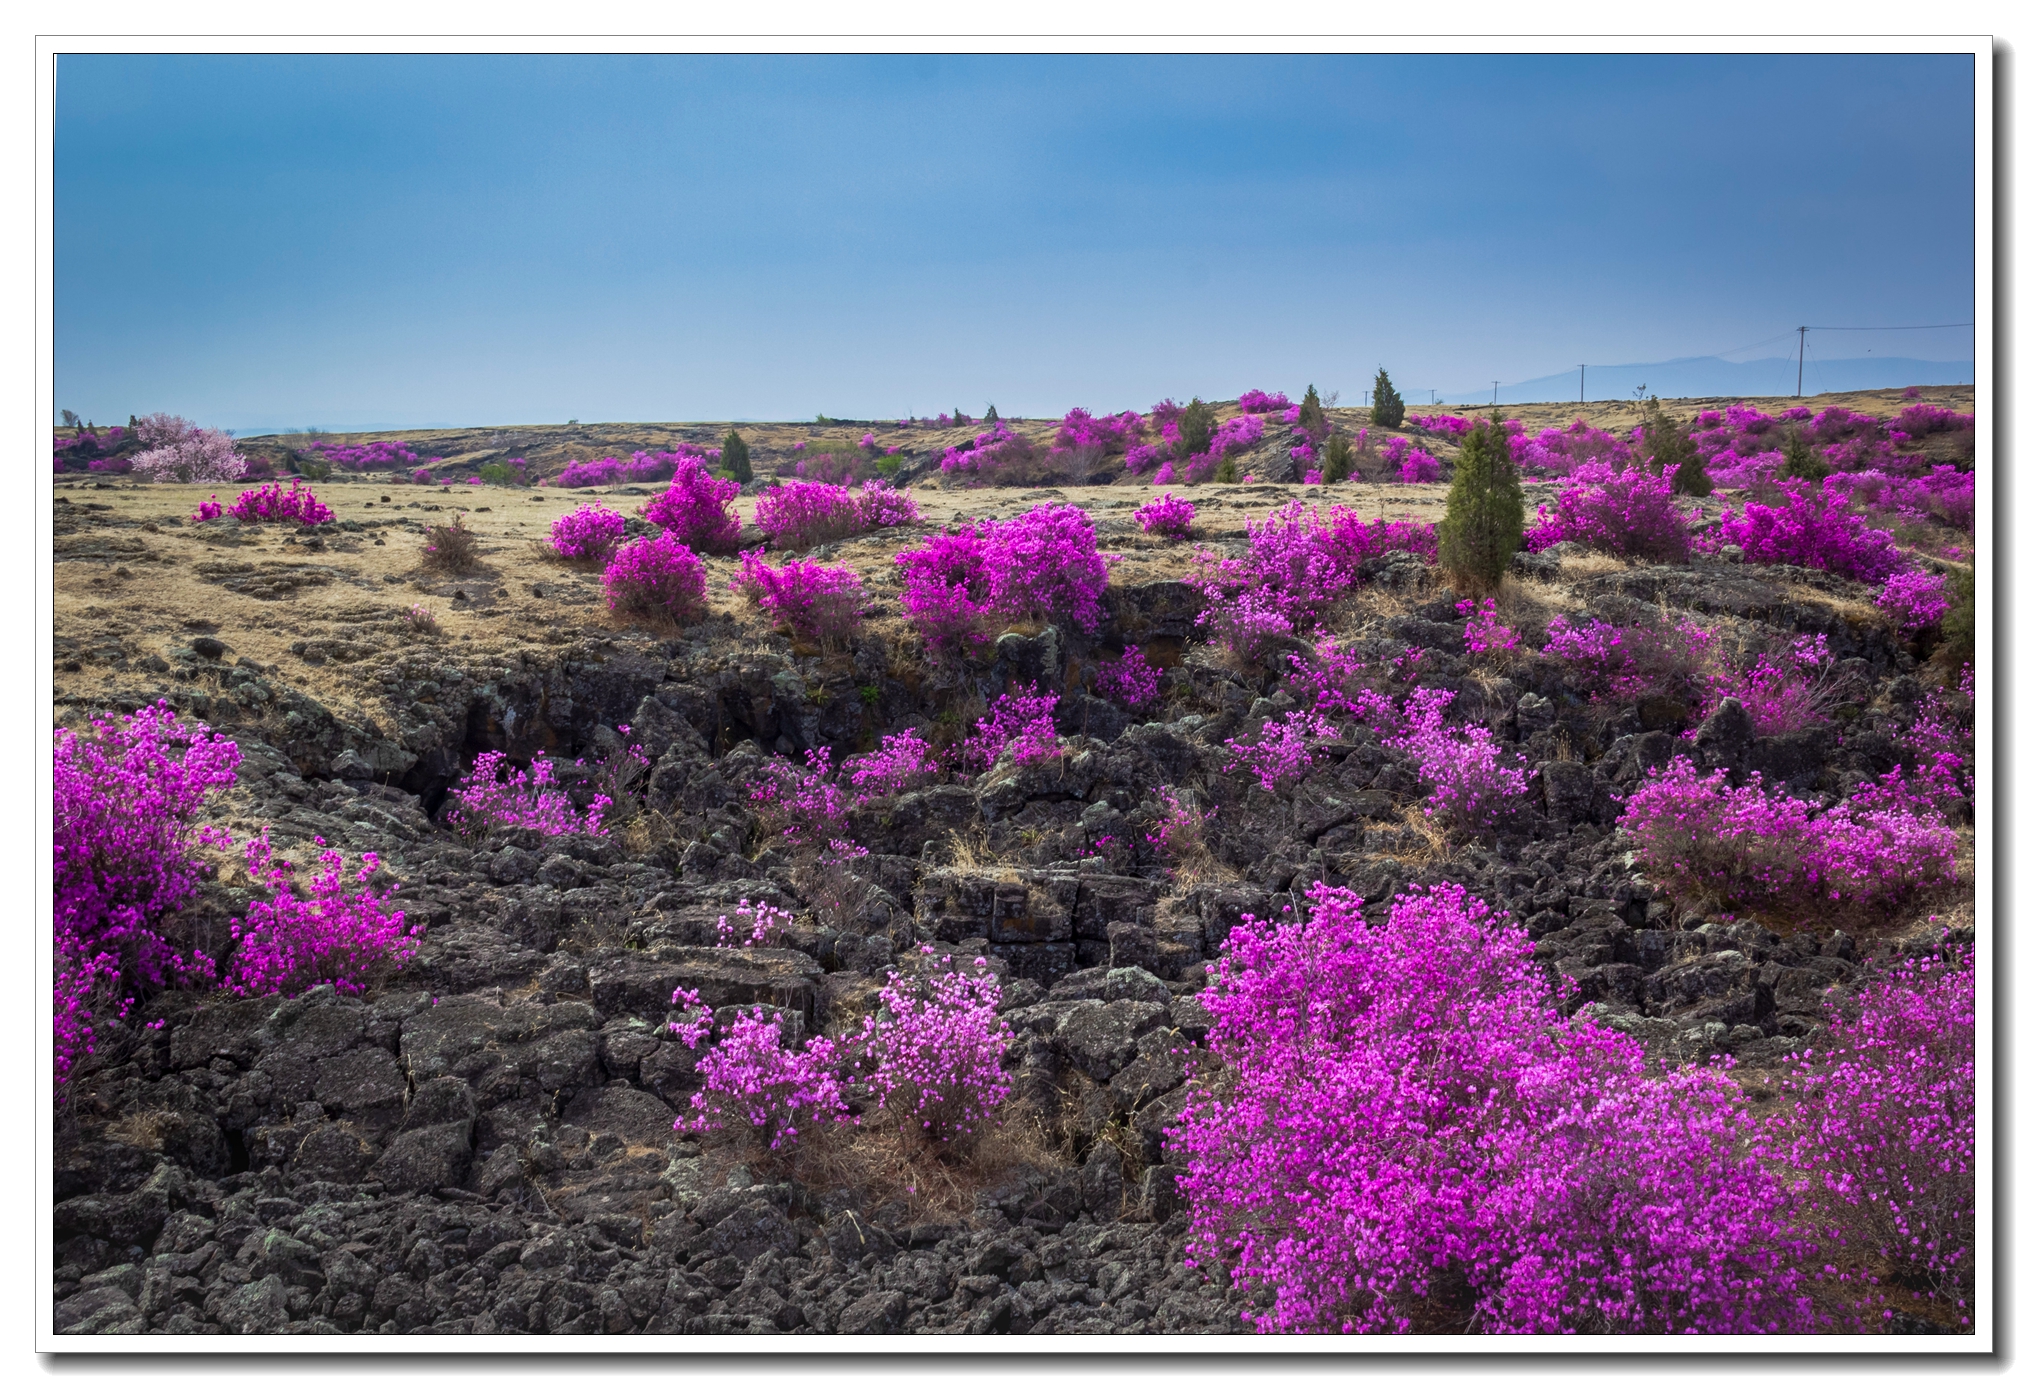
(1900, 328)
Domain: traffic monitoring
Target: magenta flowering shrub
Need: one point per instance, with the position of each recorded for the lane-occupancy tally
(1943, 746)
(1232, 436)
(656, 576)
(1249, 625)
(694, 510)
(591, 532)
(936, 1048)
(1748, 847)
(362, 457)
(1784, 691)
(1814, 527)
(1915, 599)
(641, 467)
(1296, 566)
(881, 505)
(1882, 1123)
(1022, 724)
(126, 797)
(271, 503)
(1755, 473)
(1627, 662)
(1626, 511)
(291, 942)
(817, 602)
(1130, 679)
(805, 805)
(496, 795)
(754, 925)
(1179, 831)
(798, 515)
(1168, 515)
(1101, 435)
(1483, 631)
(1410, 462)
(1407, 1135)
(1260, 402)
(1283, 751)
(762, 1091)
(996, 454)
(1469, 786)
(903, 762)
(1331, 681)
(1043, 564)
(208, 510)
(1943, 496)
(947, 591)
(1920, 421)
(1450, 424)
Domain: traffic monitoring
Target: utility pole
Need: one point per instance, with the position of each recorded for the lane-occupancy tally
(1799, 361)
(1580, 383)
(1496, 395)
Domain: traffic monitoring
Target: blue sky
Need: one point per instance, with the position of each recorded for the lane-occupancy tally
(264, 242)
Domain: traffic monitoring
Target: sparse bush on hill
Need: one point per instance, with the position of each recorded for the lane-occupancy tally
(450, 549)
(1481, 527)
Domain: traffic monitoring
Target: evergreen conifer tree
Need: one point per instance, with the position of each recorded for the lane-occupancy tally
(1311, 418)
(1481, 527)
(1387, 406)
(1228, 471)
(1801, 460)
(1337, 458)
(736, 458)
(992, 413)
(1193, 430)
(1665, 445)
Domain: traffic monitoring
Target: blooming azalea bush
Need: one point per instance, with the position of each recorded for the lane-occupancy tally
(1814, 527)
(1179, 831)
(271, 503)
(1297, 564)
(1626, 511)
(1748, 847)
(1261, 402)
(1483, 631)
(1628, 662)
(1881, 1125)
(1043, 564)
(1283, 750)
(1021, 724)
(1130, 679)
(1469, 786)
(291, 942)
(935, 1049)
(805, 804)
(753, 925)
(695, 510)
(590, 532)
(903, 762)
(641, 467)
(1168, 515)
(1408, 1135)
(761, 1090)
(1783, 691)
(656, 576)
(496, 795)
(819, 603)
(1915, 598)
(363, 457)
(208, 510)
(798, 515)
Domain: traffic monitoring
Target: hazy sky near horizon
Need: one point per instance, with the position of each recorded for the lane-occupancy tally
(259, 242)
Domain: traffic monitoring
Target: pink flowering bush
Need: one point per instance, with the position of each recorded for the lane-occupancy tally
(1298, 564)
(1882, 1123)
(947, 591)
(1627, 662)
(291, 942)
(935, 1048)
(1330, 680)
(760, 1090)
(271, 503)
(1168, 515)
(208, 510)
(1409, 462)
(1784, 691)
(642, 467)
(496, 795)
(186, 454)
(997, 456)
(1044, 564)
(1130, 679)
(1747, 847)
(903, 762)
(819, 603)
(694, 511)
(1021, 724)
(1915, 598)
(656, 576)
(1483, 631)
(379, 453)
(1100, 435)
(1943, 744)
(1814, 527)
(881, 505)
(753, 925)
(1406, 1135)
(1283, 751)
(805, 805)
(1179, 831)
(798, 515)
(1626, 511)
(1469, 785)
(1260, 402)
(1454, 425)
(591, 533)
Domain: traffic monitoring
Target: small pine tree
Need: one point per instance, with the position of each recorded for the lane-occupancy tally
(1228, 471)
(1481, 527)
(1193, 430)
(1311, 419)
(736, 458)
(1337, 458)
(70, 419)
(1387, 406)
(1665, 445)
(992, 413)
(1801, 460)
(958, 417)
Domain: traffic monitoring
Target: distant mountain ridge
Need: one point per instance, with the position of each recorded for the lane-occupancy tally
(1705, 376)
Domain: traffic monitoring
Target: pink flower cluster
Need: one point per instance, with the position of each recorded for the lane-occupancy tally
(1944, 495)
(997, 450)
(656, 576)
(1330, 681)
(1785, 691)
(1260, 402)
(903, 762)
(1469, 785)
(1168, 515)
(1626, 511)
(590, 532)
(1103, 434)
(1179, 831)
(819, 603)
(1130, 679)
(642, 467)
(208, 510)
(364, 456)
(290, 943)
(271, 503)
(496, 795)
(936, 1048)
(1043, 564)
(1451, 424)
(1625, 663)
(1283, 751)
(756, 1085)
(1411, 463)
(1750, 847)
(753, 925)
(797, 515)
(1020, 724)
(695, 510)
(1483, 631)
(1406, 1127)
(1814, 527)
(805, 805)
(1297, 564)
(177, 451)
